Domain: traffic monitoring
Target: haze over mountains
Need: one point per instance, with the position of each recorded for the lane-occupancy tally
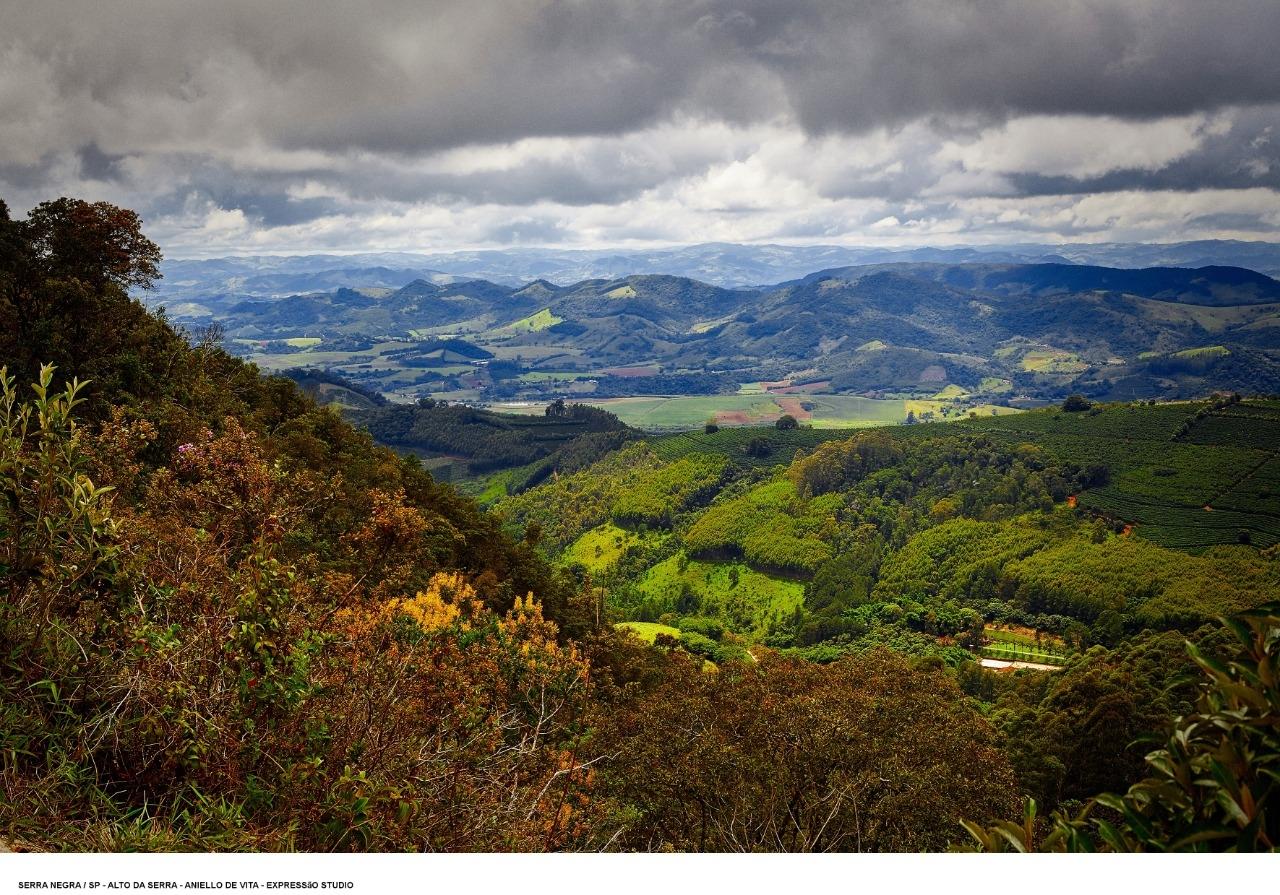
(721, 264)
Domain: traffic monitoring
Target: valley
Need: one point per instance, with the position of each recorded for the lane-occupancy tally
(843, 347)
(662, 549)
(1072, 528)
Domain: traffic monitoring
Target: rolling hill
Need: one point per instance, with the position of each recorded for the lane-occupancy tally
(992, 332)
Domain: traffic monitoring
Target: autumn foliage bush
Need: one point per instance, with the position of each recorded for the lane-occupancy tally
(866, 754)
(182, 655)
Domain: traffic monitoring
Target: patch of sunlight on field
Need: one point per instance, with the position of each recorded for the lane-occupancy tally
(725, 590)
(1207, 351)
(544, 319)
(1052, 360)
(601, 547)
(647, 631)
(993, 410)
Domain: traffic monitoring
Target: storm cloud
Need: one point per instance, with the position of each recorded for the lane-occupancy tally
(291, 125)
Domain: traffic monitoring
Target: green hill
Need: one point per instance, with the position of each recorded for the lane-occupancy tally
(1117, 493)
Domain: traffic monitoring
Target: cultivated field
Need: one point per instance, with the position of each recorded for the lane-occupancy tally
(681, 413)
(1184, 475)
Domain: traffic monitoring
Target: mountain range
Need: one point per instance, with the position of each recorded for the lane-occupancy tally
(1035, 330)
(723, 264)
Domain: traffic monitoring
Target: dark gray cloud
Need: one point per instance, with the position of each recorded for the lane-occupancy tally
(291, 111)
(412, 76)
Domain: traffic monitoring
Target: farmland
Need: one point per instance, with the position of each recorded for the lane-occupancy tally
(533, 323)
(600, 548)
(1185, 475)
(757, 408)
(1023, 645)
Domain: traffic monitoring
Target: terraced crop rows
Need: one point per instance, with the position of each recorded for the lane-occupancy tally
(1215, 485)
(1256, 431)
(1183, 526)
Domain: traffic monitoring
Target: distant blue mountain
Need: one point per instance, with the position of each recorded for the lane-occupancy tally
(720, 264)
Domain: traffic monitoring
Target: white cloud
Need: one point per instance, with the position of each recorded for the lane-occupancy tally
(1081, 146)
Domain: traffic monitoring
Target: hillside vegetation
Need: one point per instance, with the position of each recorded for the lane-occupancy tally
(232, 621)
(1073, 525)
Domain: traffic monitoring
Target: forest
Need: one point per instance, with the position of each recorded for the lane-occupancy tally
(232, 620)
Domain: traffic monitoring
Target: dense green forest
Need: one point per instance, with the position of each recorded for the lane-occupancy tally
(232, 621)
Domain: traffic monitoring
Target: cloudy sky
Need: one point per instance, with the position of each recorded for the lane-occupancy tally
(247, 126)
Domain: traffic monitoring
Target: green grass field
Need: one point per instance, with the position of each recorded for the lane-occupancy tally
(852, 411)
(1004, 644)
(543, 319)
(1018, 653)
(1052, 360)
(657, 413)
(994, 385)
(754, 408)
(1021, 638)
(1208, 351)
(648, 631)
(601, 547)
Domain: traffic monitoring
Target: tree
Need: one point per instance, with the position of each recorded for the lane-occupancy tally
(866, 754)
(214, 593)
(94, 242)
(1075, 404)
(711, 427)
(1211, 787)
(65, 273)
(786, 422)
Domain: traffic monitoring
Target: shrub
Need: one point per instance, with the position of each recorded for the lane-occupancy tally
(1212, 787)
(707, 627)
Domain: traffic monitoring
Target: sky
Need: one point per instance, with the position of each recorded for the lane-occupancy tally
(249, 127)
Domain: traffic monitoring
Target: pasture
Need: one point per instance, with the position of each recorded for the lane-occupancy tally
(657, 413)
(648, 631)
(600, 548)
